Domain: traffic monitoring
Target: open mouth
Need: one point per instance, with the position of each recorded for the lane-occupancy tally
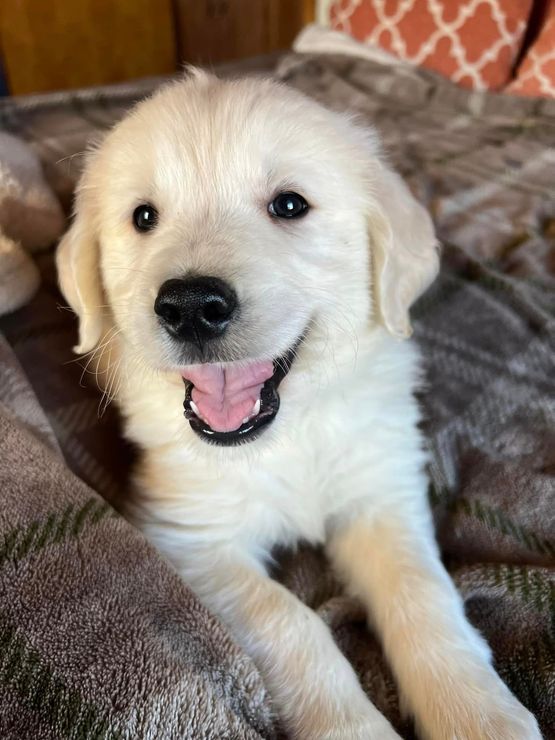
(232, 405)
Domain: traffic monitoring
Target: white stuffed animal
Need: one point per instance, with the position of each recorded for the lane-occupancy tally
(31, 219)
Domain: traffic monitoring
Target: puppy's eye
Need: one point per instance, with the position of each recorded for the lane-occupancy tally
(288, 205)
(145, 217)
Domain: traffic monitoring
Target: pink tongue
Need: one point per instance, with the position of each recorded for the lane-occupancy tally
(226, 396)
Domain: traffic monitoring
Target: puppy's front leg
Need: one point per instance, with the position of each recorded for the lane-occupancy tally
(315, 690)
(441, 663)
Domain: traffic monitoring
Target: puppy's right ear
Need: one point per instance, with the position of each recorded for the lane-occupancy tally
(77, 260)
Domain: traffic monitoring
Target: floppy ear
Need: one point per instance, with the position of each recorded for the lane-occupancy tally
(77, 260)
(405, 251)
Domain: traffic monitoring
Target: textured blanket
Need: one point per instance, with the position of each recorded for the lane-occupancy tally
(99, 638)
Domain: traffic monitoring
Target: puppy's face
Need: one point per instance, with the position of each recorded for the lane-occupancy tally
(224, 224)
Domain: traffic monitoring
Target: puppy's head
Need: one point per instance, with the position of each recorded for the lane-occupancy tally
(224, 224)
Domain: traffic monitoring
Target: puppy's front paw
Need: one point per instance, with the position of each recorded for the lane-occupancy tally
(482, 710)
(508, 720)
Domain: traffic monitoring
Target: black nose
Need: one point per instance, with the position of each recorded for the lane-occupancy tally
(196, 309)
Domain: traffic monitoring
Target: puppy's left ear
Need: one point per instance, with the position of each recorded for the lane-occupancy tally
(405, 251)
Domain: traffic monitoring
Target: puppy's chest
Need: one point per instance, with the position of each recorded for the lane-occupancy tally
(283, 504)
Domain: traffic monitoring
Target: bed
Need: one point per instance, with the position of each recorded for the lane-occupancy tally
(100, 638)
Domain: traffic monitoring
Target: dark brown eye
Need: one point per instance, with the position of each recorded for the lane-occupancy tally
(288, 205)
(145, 217)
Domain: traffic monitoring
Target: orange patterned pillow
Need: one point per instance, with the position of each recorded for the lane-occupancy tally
(536, 74)
(474, 42)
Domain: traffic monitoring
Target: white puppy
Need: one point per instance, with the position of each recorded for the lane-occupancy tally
(239, 246)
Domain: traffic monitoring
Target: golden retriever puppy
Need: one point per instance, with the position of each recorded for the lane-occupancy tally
(249, 260)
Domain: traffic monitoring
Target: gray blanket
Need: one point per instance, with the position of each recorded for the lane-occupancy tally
(99, 637)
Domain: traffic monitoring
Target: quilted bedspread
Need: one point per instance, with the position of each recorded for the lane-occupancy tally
(99, 638)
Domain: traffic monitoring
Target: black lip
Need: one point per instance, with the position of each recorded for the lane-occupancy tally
(269, 407)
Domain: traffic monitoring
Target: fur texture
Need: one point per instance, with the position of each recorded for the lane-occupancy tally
(342, 464)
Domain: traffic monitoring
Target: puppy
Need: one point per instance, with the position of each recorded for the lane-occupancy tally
(245, 257)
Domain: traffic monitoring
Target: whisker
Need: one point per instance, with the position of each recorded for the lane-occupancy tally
(71, 157)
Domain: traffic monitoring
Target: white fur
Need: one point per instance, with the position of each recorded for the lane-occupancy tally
(342, 464)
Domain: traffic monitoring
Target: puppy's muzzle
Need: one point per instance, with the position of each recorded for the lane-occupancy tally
(196, 309)
(226, 402)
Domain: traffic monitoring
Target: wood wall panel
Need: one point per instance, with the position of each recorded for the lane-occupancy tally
(213, 31)
(61, 44)
(57, 44)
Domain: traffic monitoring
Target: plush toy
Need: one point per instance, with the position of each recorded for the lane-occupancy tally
(31, 219)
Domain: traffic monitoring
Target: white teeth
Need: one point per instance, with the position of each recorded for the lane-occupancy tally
(194, 408)
(253, 413)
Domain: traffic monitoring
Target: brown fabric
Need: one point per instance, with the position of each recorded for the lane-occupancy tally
(29, 211)
(484, 166)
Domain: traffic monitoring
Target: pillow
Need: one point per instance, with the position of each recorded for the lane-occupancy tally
(474, 42)
(536, 73)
